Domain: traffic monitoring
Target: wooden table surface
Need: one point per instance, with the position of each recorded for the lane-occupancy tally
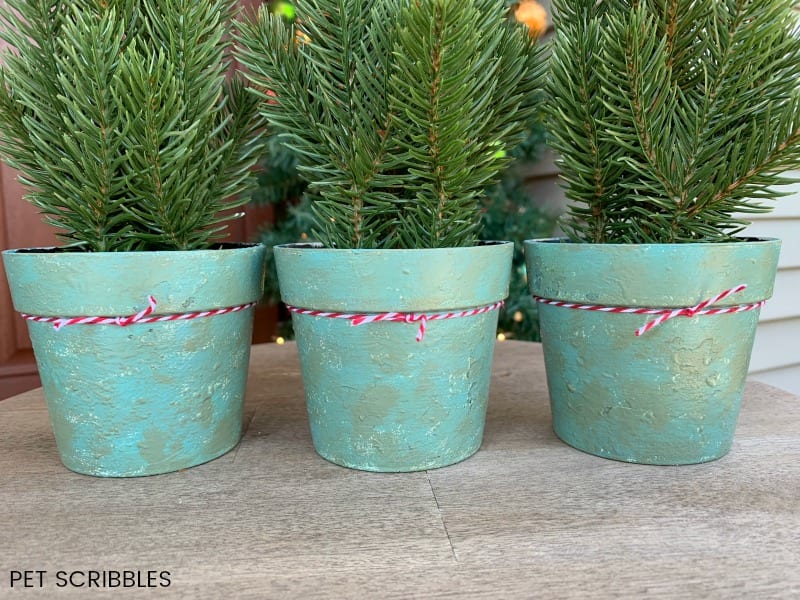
(526, 517)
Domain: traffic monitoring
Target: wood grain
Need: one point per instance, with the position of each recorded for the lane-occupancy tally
(526, 517)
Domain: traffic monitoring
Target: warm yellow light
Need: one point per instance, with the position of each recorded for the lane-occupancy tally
(518, 316)
(501, 337)
(280, 340)
(533, 15)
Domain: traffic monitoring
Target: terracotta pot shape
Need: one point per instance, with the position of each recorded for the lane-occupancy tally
(670, 395)
(378, 399)
(150, 396)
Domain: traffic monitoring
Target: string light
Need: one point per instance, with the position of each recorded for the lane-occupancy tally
(285, 9)
(533, 15)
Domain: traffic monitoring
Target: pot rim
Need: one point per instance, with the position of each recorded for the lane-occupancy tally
(738, 242)
(393, 280)
(52, 283)
(652, 275)
(317, 246)
(67, 251)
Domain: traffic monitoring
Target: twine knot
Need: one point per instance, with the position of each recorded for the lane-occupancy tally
(131, 319)
(398, 317)
(664, 314)
(693, 311)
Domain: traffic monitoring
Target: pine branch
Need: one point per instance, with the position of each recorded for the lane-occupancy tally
(238, 145)
(354, 98)
(115, 114)
(396, 153)
(592, 176)
(455, 139)
(700, 116)
(156, 158)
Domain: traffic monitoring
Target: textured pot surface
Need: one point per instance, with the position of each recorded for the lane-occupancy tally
(377, 399)
(146, 398)
(672, 395)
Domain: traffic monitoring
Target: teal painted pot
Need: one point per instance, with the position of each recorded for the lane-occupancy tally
(378, 399)
(149, 397)
(671, 395)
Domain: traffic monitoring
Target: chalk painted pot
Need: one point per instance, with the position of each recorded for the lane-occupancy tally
(149, 397)
(668, 396)
(378, 399)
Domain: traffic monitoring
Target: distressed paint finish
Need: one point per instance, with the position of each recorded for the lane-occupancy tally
(671, 396)
(146, 398)
(377, 399)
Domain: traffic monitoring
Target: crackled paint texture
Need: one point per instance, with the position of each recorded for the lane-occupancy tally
(377, 399)
(673, 395)
(149, 398)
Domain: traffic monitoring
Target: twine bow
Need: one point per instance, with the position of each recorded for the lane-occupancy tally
(664, 314)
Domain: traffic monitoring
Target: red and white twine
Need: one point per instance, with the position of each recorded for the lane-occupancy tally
(143, 316)
(398, 317)
(665, 314)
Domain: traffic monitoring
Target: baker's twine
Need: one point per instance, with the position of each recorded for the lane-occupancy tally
(143, 316)
(397, 317)
(665, 314)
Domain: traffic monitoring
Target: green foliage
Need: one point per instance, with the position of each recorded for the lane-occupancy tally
(507, 213)
(510, 214)
(278, 179)
(400, 112)
(122, 122)
(671, 116)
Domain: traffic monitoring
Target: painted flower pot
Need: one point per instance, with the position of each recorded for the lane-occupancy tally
(671, 394)
(138, 377)
(396, 349)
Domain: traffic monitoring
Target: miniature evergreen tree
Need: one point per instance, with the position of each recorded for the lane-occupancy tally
(401, 113)
(508, 213)
(120, 117)
(672, 117)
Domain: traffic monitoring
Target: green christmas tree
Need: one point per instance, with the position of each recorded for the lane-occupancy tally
(673, 118)
(123, 121)
(400, 113)
(507, 213)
